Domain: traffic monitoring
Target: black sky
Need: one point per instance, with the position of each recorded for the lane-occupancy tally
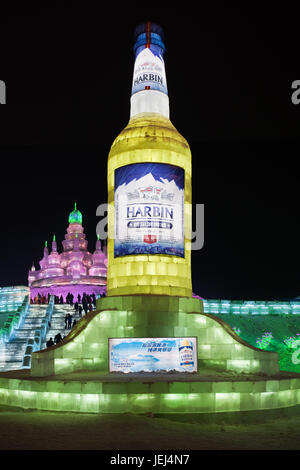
(68, 74)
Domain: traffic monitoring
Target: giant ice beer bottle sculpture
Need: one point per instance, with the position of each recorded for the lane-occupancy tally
(149, 186)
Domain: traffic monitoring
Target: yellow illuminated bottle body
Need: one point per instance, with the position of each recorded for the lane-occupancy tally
(149, 137)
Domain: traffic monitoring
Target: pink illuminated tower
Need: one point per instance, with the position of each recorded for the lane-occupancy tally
(75, 270)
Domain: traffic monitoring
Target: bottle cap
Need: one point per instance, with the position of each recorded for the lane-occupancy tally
(148, 33)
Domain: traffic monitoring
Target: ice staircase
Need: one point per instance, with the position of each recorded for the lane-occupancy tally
(58, 321)
(12, 352)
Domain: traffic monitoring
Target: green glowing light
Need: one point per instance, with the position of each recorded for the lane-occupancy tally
(237, 330)
(290, 342)
(75, 216)
(264, 341)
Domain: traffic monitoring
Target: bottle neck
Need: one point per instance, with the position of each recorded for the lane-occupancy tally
(149, 92)
(149, 101)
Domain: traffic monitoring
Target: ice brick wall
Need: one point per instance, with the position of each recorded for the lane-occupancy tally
(86, 347)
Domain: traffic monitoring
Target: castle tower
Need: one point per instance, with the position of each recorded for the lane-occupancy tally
(52, 267)
(149, 186)
(75, 227)
(44, 260)
(70, 271)
(99, 267)
(75, 258)
(31, 274)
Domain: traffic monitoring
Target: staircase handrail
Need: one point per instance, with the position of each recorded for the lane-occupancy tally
(14, 320)
(40, 333)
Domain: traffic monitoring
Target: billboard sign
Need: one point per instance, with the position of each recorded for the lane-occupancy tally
(129, 355)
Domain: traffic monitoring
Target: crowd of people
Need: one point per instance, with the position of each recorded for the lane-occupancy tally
(88, 299)
(40, 299)
(85, 304)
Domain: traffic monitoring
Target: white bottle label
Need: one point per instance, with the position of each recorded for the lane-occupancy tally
(149, 72)
(186, 355)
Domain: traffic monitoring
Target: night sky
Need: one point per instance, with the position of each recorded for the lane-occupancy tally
(68, 75)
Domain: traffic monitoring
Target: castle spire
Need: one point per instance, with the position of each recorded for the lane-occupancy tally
(54, 245)
(46, 251)
(98, 243)
(75, 217)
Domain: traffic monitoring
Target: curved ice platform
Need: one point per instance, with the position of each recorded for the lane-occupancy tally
(73, 375)
(207, 392)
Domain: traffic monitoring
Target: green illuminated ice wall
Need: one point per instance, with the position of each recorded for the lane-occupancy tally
(86, 347)
(270, 325)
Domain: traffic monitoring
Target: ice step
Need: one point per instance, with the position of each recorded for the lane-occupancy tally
(24, 334)
(12, 353)
(10, 366)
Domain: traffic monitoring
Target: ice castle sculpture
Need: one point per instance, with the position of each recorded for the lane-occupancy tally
(75, 270)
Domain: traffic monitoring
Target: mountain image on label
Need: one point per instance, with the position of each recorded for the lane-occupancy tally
(149, 210)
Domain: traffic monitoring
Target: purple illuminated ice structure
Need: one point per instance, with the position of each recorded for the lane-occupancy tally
(75, 270)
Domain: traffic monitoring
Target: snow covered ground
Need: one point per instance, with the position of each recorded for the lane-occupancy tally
(31, 430)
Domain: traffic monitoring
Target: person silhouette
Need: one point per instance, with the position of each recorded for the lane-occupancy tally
(57, 338)
(49, 343)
